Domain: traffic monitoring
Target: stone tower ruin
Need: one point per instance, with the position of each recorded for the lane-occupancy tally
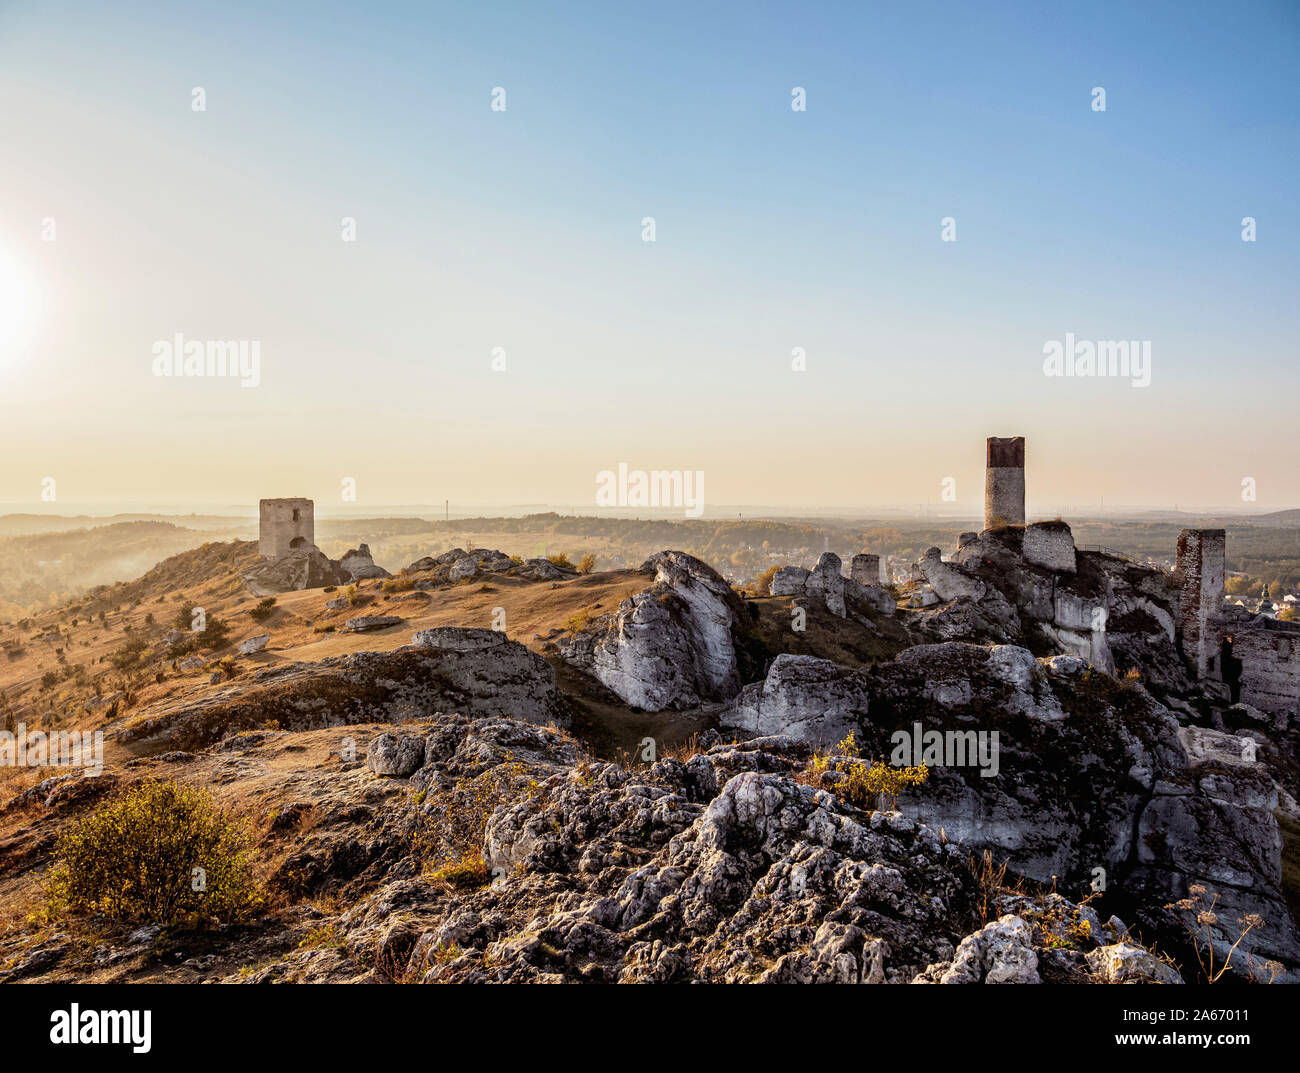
(865, 569)
(1199, 568)
(288, 527)
(1004, 482)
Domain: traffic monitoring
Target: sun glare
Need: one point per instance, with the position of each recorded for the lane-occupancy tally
(17, 305)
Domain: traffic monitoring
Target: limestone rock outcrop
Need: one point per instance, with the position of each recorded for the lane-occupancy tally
(1031, 585)
(803, 697)
(253, 645)
(1088, 772)
(675, 645)
(357, 565)
(363, 623)
(399, 755)
(458, 565)
(1002, 952)
(722, 869)
(448, 669)
(827, 584)
(309, 570)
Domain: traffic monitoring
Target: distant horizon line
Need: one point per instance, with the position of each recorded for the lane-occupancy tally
(238, 512)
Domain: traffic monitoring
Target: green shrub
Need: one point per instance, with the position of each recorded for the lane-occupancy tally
(139, 856)
(214, 634)
(263, 610)
(128, 655)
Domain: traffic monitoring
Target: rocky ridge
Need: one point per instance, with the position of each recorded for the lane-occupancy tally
(724, 867)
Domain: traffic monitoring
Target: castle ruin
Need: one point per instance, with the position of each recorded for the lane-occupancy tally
(1256, 657)
(1237, 656)
(1004, 482)
(287, 527)
(865, 569)
(1199, 568)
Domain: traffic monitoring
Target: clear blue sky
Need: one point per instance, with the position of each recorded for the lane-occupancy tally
(775, 230)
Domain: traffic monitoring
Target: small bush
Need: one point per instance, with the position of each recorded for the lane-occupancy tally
(470, 871)
(865, 786)
(763, 583)
(139, 856)
(587, 564)
(263, 610)
(450, 827)
(128, 655)
(214, 634)
(579, 620)
(562, 561)
(322, 937)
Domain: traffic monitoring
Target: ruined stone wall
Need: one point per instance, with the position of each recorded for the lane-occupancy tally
(287, 527)
(1270, 665)
(1200, 572)
(1004, 482)
(1050, 545)
(865, 569)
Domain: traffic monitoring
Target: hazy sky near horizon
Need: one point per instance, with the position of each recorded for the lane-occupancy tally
(774, 230)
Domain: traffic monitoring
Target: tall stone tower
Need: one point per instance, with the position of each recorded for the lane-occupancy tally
(1199, 568)
(288, 527)
(1004, 482)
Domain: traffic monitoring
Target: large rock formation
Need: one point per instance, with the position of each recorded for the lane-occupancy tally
(839, 594)
(1031, 586)
(357, 565)
(1087, 774)
(721, 869)
(826, 583)
(678, 644)
(480, 848)
(803, 697)
(308, 570)
(457, 565)
(448, 669)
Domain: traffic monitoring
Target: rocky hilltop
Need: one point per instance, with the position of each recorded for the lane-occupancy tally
(723, 867)
(439, 807)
